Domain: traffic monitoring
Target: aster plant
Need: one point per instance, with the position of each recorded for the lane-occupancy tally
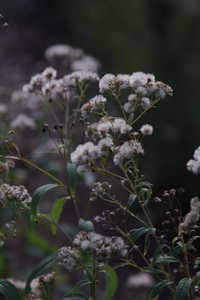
(98, 136)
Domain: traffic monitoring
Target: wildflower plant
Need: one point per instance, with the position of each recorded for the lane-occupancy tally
(98, 136)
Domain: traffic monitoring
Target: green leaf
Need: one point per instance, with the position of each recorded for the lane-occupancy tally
(39, 194)
(9, 290)
(137, 233)
(41, 269)
(111, 282)
(56, 212)
(73, 177)
(158, 287)
(183, 288)
(131, 200)
(85, 225)
(165, 259)
(41, 243)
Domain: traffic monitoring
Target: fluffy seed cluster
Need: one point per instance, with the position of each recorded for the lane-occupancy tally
(50, 87)
(127, 150)
(16, 193)
(71, 57)
(193, 216)
(110, 83)
(193, 165)
(37, 285)
(93, 105)
(108, 126)
(23, 121)
(101, 246)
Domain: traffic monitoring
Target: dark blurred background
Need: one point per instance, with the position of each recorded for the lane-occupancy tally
(156, 36)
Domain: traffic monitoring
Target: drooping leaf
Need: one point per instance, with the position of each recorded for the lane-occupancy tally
(40, 269)
(183, 289)
(40, 242)
(56, 212)
(158, 287)
(8, 290)
(39, 194)
(137, 233)
(111, 282)
(85, 225)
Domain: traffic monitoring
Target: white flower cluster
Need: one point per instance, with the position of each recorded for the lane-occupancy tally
(79, 78)
(110, 83)
(127, 150)
(74, 58)
(47, 85)
(107, 126)
(193, 165)
(23, 121)
(85, 153)
(37, 285)
(140, 280)
(13, 192)
(101, 246)
(69, 257)
(193, 216)
(93, 105)
(99, 188)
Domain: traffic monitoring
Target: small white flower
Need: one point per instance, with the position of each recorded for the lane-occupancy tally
(23, 121)
(146, 129)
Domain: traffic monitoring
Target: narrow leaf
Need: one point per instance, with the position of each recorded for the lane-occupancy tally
(56, 212)
(39, 194)
(183, 288)
(164, 259)
(111, 282)
(42, 268)
(137, 233)
(72, 176)
(8, 290)
(158, 287)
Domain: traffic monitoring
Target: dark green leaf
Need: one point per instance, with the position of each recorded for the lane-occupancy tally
(158, 287)
(56, 212)
(131, 200)
(137, 233)
(111, 282)
(73, 177)
(8, 290)
(41, 269)
(86, 225)
(165, 259)
(183, 288)
(39, 194)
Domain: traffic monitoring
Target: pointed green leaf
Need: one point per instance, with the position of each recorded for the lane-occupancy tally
(41, 269)
(158, 287)
(8, 290)
(56, 212)
(39, 194)
(183, 289)
(72, 176)
(137, 233)
(111, 282)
